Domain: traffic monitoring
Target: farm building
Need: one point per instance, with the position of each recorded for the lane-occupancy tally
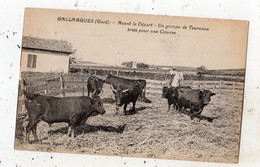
(130, 64)
(45, 55)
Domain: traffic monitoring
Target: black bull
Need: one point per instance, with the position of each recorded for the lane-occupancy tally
(168, 93)
(118, 81)
(94, 85)
(73, 110)
(125, 94)
(185, 97)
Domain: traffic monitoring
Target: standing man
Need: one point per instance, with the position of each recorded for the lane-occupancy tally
(175, 77)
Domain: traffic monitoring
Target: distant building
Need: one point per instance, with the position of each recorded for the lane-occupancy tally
(130, 64)
(134, 64)
(165, 68)
(45, 55)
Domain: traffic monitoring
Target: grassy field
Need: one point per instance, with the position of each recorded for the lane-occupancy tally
(151, 132)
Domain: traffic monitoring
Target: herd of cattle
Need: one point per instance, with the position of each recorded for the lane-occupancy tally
(76, 110)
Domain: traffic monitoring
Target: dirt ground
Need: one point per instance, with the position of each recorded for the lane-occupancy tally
(151, 132)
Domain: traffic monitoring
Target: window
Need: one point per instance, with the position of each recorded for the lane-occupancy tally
(31, 62)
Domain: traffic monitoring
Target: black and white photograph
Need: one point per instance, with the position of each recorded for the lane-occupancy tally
(131, 85)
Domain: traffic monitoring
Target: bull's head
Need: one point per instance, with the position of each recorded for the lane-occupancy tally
(206, 94)
(98, 105)
(120, 94)
(164, 92)
(167, 91)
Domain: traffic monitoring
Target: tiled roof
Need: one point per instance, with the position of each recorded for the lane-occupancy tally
(46, 44)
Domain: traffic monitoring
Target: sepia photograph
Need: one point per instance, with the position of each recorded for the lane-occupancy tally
(131, 85)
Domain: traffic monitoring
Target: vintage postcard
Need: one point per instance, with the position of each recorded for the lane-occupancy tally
(131, 85)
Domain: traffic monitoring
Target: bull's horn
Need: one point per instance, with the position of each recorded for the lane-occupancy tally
(101, 92)
(94, 91)
(125, 90)
(114, 90)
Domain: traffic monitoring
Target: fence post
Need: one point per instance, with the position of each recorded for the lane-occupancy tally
(220, 85)
(23, 89)
(62, 86)
(233, 87)
(46, 87)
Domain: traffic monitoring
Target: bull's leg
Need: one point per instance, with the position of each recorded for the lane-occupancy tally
(82, 122)
(27, 136)
(69, 131)
(74, 121)
(117, 108)
(134, 106)
(196, 114)
(35, 134)
(125, 108)
(73, 131)
(175, 106)
(193, 113)
(169, 107)
(180, 109)
(30, 126)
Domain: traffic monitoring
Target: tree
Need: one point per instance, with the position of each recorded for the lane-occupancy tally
(201, 70)
(127, 64)
(73, 58)
(142, 65)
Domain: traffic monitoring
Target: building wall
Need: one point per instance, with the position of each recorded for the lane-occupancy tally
(46, 61)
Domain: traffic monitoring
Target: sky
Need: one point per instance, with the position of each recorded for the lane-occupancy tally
(222, 46)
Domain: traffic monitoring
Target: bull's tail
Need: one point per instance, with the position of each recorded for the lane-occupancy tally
(143, 93)
(146, 100)
(88, 89)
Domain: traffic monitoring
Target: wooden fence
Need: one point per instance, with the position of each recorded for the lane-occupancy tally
(155, 86)
(67, 84)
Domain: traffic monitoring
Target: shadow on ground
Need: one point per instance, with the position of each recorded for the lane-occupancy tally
(90, 128)
(131, 112)
(209, 119)
(200, 117)
(108, 100)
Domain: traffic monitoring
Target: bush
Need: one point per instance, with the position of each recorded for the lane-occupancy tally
(142, 65)
(74, 70)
